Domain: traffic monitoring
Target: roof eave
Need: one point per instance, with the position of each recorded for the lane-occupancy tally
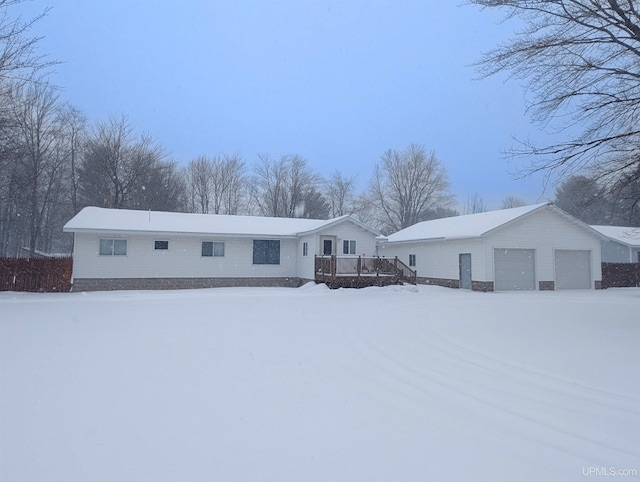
(333, 222)
(176, 233)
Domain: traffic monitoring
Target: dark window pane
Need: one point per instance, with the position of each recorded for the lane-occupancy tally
(161, 245)
(207, 248)
(266, 251)
(120, 247)
(106, 247)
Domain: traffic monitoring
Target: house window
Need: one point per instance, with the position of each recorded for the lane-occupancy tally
(348, 246)
(305, 249)
(412, 260)
(266, 251)
(213, 248)
(113, 247)
(164, 245)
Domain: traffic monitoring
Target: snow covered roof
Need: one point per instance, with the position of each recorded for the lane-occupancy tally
(125, 220)
(628, 236)
(462, 227)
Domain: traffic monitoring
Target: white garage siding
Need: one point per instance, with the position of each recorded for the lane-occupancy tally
(546, 231)
(573, 269)
(439, 259)
(515, 269)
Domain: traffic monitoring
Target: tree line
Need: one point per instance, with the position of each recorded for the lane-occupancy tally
(53, 164)
(579, 61)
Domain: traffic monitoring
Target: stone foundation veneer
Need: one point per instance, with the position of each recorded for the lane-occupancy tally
(482, 286)
(546, 285)
(111, 284)
(447, 283)
(454, 283)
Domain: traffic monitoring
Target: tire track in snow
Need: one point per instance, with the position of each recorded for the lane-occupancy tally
(467, 375)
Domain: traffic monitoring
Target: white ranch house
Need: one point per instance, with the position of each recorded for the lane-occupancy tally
(537, 247)
(622, 244)
(125, 249)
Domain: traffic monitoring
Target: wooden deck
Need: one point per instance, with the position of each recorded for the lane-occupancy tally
(360, 272)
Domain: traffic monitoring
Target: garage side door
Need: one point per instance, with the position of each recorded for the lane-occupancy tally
(515, 269)
(573, 269)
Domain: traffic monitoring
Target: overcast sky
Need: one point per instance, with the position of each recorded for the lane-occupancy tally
(338, 82)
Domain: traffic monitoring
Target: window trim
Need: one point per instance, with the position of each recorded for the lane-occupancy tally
(305, 249)
(113, 246)
(267, 262)
(412, 260)
(155, 244)
(349, 246)
(213, 249)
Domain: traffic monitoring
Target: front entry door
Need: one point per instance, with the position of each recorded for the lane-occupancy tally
(465, 271)
(327, 247)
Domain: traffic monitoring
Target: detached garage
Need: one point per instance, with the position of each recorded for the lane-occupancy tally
(537, 247)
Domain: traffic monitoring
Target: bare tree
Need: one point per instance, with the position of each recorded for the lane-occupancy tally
(73, 136)
(116, 164)
(340, 194)
(36, 113)
(229, 175)
(216, 185)
(19, 60)
(407, 185)
(581, 62)
(20, 64)
(198, 174)
(282, 186)
(512, 202)
(475, 204)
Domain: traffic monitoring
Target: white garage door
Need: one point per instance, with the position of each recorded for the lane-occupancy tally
(573, 269)
(515, 269)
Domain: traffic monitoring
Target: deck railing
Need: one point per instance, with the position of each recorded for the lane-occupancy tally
(331, 268)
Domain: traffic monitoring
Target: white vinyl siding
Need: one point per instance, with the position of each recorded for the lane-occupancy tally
(439, 259)
(573, 269)
(365, 245)
(183, 260)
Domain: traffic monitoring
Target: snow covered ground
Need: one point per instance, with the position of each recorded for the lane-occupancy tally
(380, 384)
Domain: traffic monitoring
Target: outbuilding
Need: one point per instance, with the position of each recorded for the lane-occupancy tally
(622, 244)
(538, 247)
(127, 249)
